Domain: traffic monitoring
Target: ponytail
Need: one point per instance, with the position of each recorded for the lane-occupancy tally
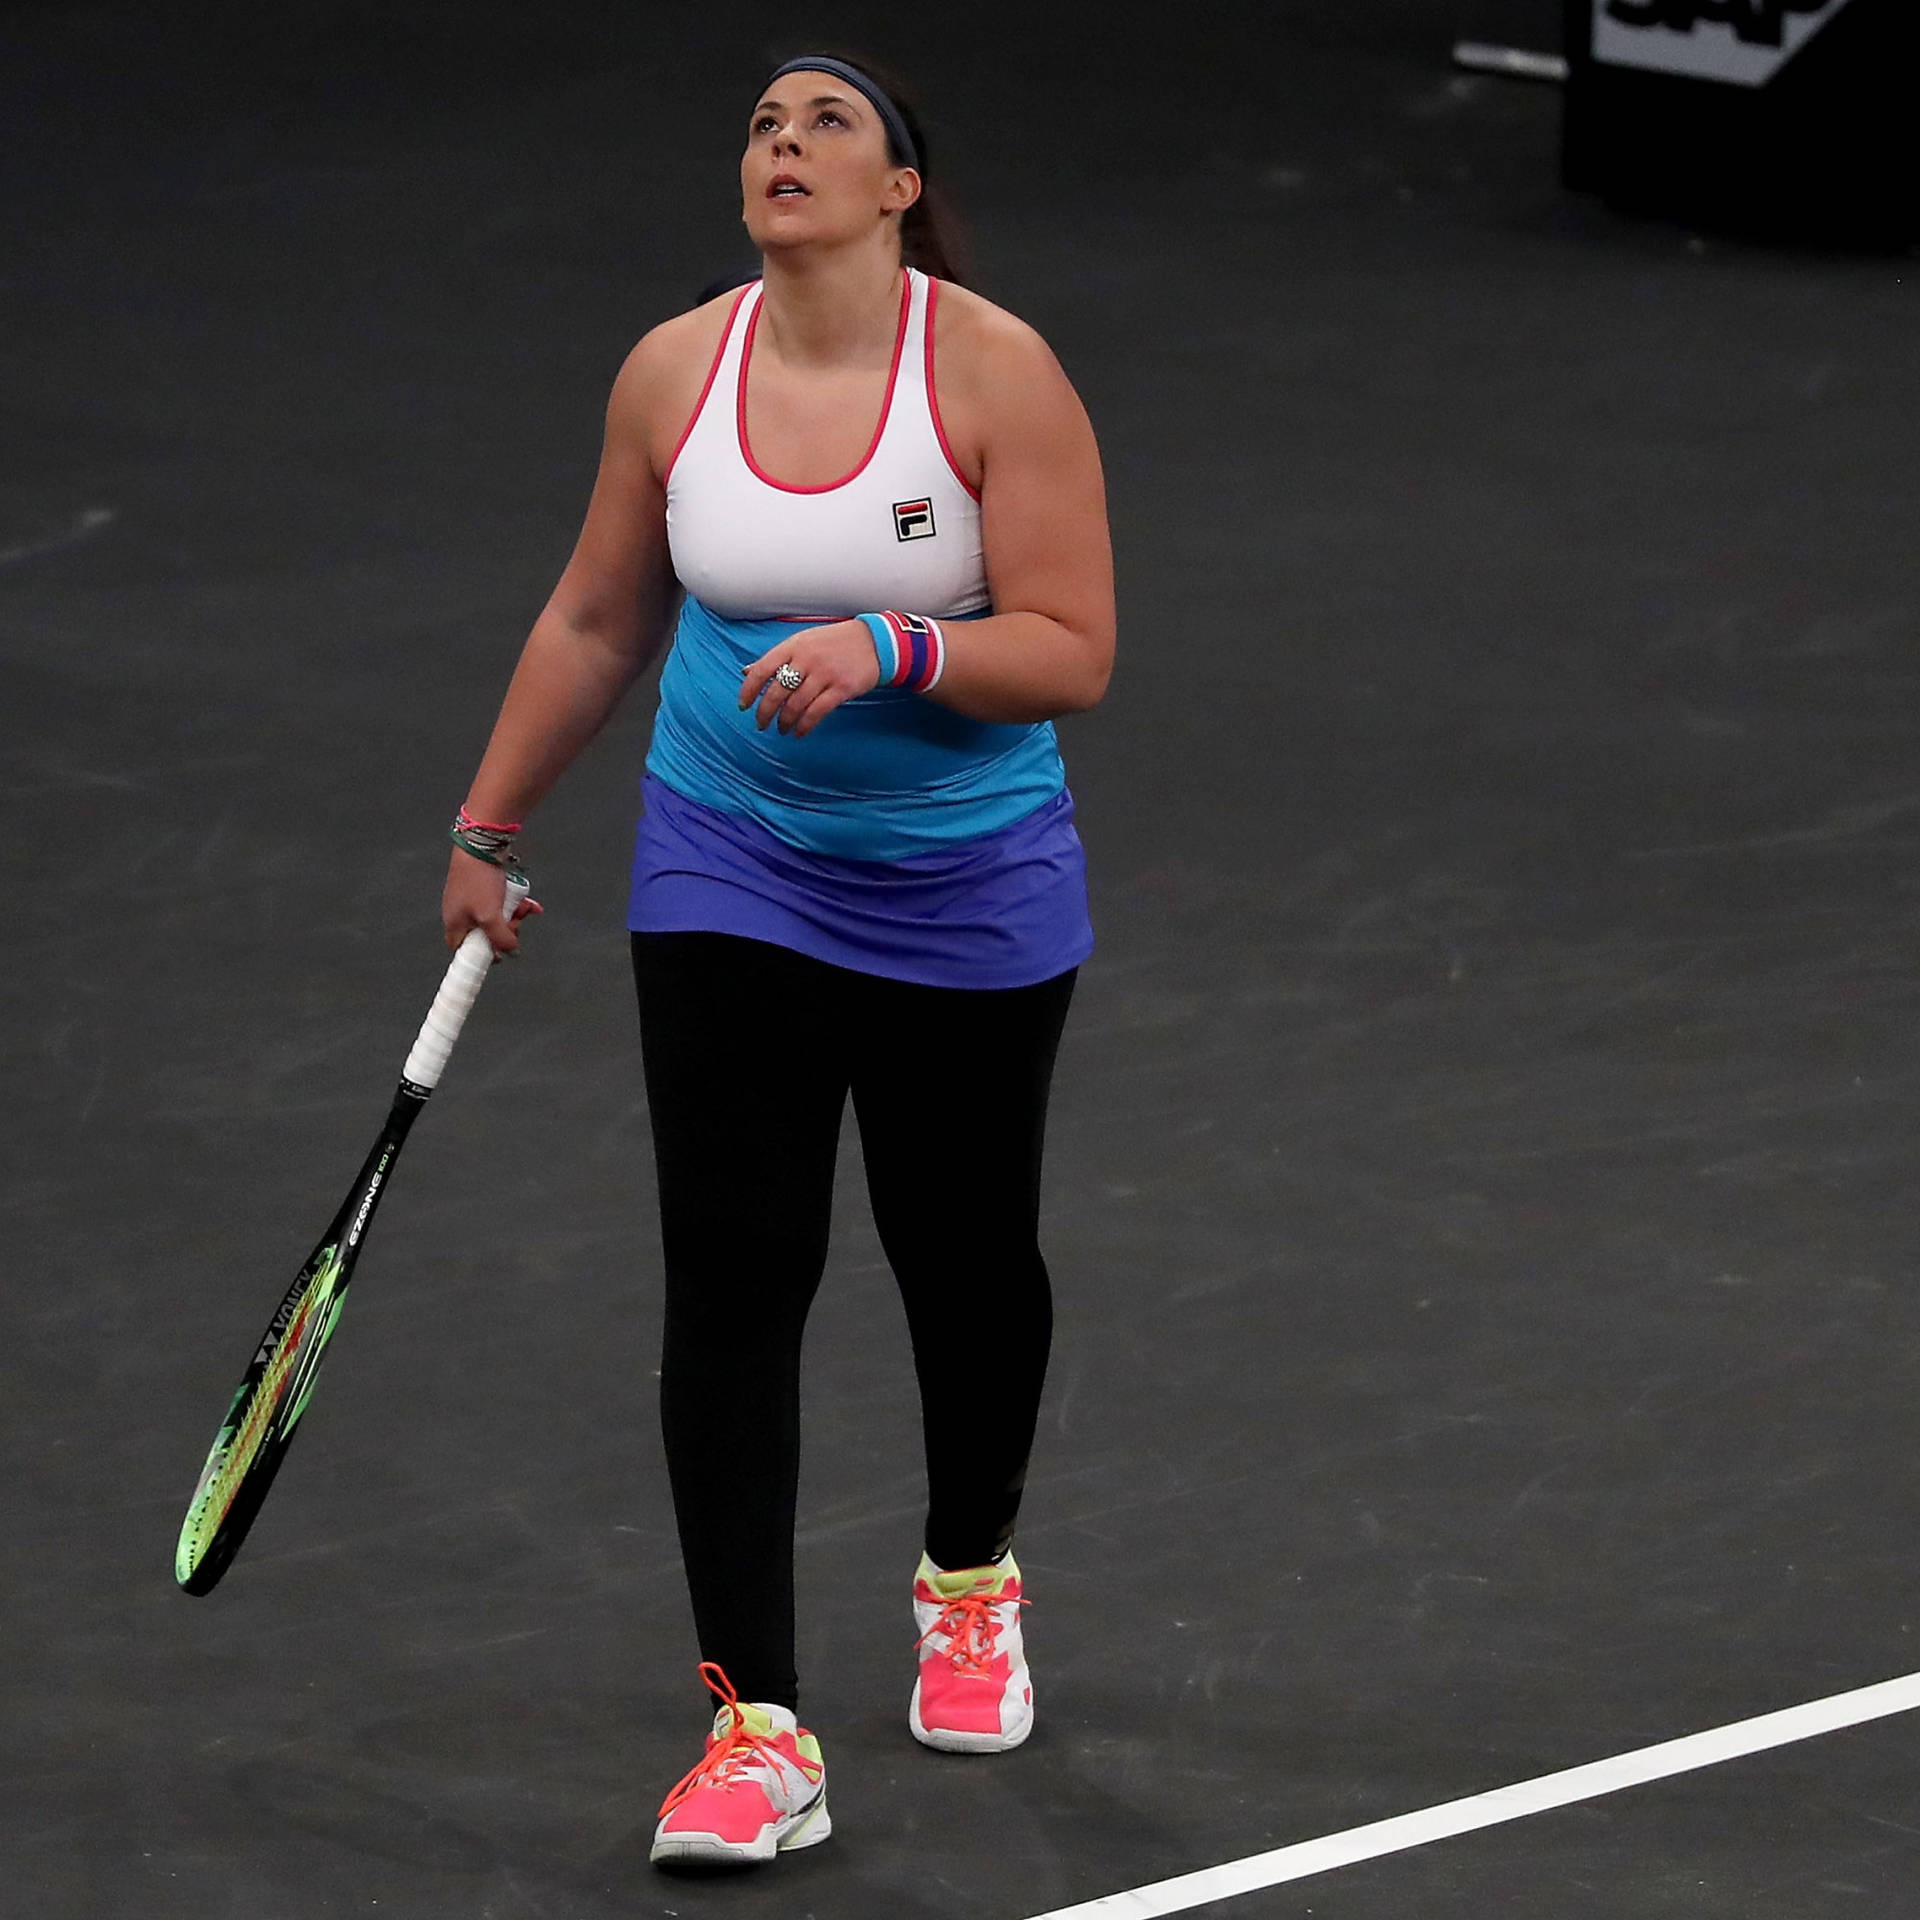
(933, 239)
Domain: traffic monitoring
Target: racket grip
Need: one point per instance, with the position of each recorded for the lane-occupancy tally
(465, 976)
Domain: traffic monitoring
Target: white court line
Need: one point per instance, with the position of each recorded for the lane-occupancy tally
(1503, 1803)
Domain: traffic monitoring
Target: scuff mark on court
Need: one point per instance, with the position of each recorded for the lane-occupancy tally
(83, 526)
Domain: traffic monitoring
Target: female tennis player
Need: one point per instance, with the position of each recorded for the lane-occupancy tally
(879, 505)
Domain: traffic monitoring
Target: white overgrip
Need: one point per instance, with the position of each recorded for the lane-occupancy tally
(466, 974)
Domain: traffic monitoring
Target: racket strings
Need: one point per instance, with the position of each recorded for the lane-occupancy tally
(229, 1469)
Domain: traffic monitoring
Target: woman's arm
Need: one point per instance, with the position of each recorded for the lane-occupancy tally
(604, 624)
(1048, 649)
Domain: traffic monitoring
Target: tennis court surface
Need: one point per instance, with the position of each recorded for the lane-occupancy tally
(1482, 1179)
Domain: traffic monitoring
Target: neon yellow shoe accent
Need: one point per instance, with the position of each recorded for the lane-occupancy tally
(951, 1584)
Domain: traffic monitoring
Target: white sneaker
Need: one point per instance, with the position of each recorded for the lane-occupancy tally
(974, 1693)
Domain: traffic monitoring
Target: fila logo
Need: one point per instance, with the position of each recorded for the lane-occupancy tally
(913, 520)
(1742, 41)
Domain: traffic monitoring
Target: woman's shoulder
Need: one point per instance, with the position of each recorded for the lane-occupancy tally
(990, 362)
(699, 329)
(665, 373)
(971, 328)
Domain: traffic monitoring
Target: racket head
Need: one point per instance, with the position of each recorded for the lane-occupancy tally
(261, 1419)
(274, 1390)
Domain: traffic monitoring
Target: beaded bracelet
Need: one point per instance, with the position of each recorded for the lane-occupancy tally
(912, 649)
(488, 840)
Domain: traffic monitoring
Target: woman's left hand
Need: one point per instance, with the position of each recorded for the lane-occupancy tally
(835, 663)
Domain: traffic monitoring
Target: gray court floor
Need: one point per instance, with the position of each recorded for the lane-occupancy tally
(1483, 1179)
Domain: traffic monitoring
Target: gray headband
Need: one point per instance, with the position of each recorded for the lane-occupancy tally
(905, 149)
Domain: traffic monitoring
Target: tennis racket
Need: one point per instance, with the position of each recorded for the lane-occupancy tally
(278, 1382)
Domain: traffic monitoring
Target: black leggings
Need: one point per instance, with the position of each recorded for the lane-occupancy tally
(751, 1051)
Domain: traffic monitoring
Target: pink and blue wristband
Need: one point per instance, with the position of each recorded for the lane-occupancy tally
(912, 649)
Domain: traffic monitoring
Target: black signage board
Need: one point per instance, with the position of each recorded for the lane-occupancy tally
(1788, 119)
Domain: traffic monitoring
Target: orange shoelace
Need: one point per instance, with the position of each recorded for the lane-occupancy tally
(971, 1630)
(729, 1753)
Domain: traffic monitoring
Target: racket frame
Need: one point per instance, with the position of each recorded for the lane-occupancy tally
(279, 1380)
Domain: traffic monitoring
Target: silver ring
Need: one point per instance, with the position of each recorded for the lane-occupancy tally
(789, 676)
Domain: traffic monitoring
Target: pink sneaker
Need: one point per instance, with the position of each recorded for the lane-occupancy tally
(761, 1790)
(974, 1694)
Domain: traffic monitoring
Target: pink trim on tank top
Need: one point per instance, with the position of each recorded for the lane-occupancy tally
(933, 392)
(719, 354)
(886, 405)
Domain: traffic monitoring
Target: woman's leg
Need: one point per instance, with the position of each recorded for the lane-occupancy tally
(950, 1087)
(745, 1089)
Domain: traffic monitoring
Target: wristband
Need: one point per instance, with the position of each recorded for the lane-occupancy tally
(488, 840)
(911, 648)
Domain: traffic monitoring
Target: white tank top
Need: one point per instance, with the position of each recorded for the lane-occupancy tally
(902, 530)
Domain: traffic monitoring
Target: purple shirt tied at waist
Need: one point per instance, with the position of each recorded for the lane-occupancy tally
(1005, 909)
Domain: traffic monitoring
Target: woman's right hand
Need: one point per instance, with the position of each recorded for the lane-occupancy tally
(476, 896)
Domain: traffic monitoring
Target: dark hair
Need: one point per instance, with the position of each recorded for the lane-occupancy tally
(932, 235)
